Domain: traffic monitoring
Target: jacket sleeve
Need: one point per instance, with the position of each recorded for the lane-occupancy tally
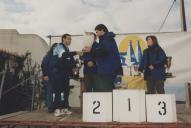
(104, 48)
(141, 67)
(68, 54)
(62, 53)
(100, 51)
(87, 57)
(44, 65)
(161, 60)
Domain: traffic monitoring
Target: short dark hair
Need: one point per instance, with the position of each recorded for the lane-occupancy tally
(64, 36)
(100, 27)
(153, 38)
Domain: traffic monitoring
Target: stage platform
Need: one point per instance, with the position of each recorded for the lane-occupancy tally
(42, 119)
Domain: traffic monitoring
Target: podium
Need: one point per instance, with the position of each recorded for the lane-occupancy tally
(129, 106)
(161, 108)
(97, 107)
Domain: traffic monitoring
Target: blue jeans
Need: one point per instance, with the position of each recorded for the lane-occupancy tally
(49, 94)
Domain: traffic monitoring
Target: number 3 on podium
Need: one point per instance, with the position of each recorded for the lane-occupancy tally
(163, 107)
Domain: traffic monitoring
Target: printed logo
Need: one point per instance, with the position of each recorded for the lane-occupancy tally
(131, 50)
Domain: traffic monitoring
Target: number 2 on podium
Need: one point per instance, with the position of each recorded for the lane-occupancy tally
(97, 103)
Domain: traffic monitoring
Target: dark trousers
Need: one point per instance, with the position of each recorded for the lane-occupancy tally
(155, 86)
(104, 83)
(61, 85)
(90, 81)
(49, 94)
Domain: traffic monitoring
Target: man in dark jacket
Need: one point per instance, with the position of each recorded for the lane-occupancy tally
(153, 64)
(107, 59)
(47, 68)
(62, 71)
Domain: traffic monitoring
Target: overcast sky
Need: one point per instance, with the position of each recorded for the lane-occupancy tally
(54, 17)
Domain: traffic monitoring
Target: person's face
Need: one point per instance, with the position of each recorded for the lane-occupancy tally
(95, 38)
(149, 42)
(99, 33)
(67, 40)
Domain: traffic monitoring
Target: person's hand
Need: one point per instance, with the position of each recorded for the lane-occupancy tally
(139, 73)
(45, 78)
(166, 66)
(86, 49)
(75, 71)
(90, 64)
(80, 53)
(151, 67)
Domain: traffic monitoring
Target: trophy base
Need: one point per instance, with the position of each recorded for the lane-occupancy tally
(169, 75)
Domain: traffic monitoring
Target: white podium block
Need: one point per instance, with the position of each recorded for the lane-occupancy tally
(97, 107)
(129, 106)
(161, 108)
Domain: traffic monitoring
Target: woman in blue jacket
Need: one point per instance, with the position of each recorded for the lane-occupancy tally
(107, 59)
(153, 65)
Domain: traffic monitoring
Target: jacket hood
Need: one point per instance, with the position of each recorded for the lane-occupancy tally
(110, 34)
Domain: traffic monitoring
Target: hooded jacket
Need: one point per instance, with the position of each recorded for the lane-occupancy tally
(155, 56)
(107, 55)
(65, 61)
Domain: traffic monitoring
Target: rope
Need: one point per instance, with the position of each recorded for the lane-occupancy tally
(166, 16)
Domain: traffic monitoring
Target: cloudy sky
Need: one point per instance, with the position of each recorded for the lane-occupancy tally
(54, 17)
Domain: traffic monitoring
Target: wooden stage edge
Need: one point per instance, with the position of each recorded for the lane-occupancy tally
(42, 119)
(93, 124)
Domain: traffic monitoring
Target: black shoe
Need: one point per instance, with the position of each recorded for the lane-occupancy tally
(50, 110)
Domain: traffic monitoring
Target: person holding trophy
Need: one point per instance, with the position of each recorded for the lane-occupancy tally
(153, 65)
(64, 67)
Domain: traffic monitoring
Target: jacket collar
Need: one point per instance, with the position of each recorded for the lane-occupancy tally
(65, 47)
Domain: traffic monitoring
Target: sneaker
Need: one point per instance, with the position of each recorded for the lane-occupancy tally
(66, 111)
(57, 112)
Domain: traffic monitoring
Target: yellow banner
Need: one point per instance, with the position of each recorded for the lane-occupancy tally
(134, 82)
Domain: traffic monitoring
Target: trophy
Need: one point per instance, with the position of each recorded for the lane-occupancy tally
(168, 65)
(136, 69)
